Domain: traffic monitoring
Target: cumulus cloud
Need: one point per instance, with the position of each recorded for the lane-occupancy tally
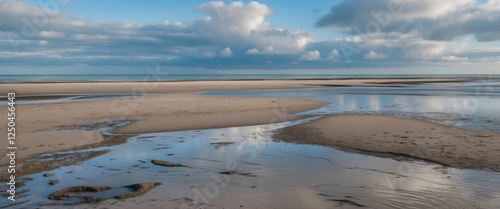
(310, 56)
(252, 51)
(374, 55)
(454, 58)
(87, 37)
(266, 50)
(418, 31)
(51, 34)
(238, 23)
(237, 26)
(208, 55)
(236, 17)
(442, 20)
(226, 52)
(43, 43)
(408, 30)
(334, 55)
(269, 49)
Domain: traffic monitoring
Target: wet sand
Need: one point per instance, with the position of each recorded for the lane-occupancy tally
(399, 138)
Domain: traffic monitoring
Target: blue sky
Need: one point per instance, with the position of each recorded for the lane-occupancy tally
(300, 14)
(315, 36)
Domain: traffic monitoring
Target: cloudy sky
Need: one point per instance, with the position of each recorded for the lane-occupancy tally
(314, 36)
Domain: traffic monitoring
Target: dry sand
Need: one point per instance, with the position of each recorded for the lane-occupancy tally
(397, 137)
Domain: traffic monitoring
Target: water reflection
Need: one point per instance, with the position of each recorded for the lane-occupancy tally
(322, 172)
(472, 105)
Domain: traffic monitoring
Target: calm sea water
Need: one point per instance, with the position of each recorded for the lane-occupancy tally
(175, 77)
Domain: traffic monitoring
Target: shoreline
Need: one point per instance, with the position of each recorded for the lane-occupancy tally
(152, 86)
(248, 79)
(400, 138)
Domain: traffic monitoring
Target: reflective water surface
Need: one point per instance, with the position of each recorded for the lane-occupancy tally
(473, 105)
(332, 177)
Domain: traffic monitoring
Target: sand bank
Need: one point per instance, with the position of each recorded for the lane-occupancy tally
(401, 138)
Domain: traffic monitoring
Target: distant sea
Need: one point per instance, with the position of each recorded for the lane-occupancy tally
(198, 77)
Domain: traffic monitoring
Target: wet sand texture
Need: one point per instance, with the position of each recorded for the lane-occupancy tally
(79, 193)
(166, 163)
(401, 138)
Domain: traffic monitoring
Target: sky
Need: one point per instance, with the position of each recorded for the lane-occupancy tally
(268, 36)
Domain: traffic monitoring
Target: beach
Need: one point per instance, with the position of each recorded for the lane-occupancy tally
(250, 104)
(166, 107)
(173, 107)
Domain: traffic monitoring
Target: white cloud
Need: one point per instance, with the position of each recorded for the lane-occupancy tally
(43, 43)
(374, 55)
(87, 37)
(236, 17)
(238, 23)
(182, 24)
(51, 34)
(310, 56)
(492, 5)
(236, 26)
(455, 59)
(355, 39)
(426, 31)
(334, 55)
(226, 52)
(269, 49)
(442, 20)
(208, 55)
(252, 51)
